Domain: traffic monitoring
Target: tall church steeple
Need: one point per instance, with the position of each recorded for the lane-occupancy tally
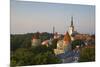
(53, 30)
(72, 21)
(71, 28)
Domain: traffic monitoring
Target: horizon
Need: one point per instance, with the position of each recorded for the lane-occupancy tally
(30, 17)
(46, 32)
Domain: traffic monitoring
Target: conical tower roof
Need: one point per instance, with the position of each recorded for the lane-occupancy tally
(67, 38)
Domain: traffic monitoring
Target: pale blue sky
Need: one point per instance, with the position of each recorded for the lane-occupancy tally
(29, 17)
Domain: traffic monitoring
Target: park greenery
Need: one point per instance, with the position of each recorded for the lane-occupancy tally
(23, 54)
(87, 54)
(77, 43)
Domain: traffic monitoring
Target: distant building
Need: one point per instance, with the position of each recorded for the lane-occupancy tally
(63, 45)
(46, 42)
(71, 29)
(36, 40)
(67, 42)
(56, 35)
(86, 38)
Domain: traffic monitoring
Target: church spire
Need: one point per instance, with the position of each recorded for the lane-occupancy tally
(53, 30)
(72, 21)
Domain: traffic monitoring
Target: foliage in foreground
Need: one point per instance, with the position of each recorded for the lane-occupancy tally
(87, 54)
(33, 56)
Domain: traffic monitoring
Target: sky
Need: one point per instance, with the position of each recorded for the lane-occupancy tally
(30, 17)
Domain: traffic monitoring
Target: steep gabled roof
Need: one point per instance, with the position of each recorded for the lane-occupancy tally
(67, 38)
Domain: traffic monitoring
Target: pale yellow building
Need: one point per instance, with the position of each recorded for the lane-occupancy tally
(36, 40)
(63, 45)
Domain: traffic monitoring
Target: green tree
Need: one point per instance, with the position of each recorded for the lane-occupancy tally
(77, 42)
(21, 56)
(33, 56)
(87, 54)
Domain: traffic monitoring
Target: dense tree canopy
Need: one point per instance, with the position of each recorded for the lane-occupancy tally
(24, 40)
(35, 55)
(22, 53)
(87, 54)
(77, 42)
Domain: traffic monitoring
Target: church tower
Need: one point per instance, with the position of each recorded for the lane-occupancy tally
(71, 28)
